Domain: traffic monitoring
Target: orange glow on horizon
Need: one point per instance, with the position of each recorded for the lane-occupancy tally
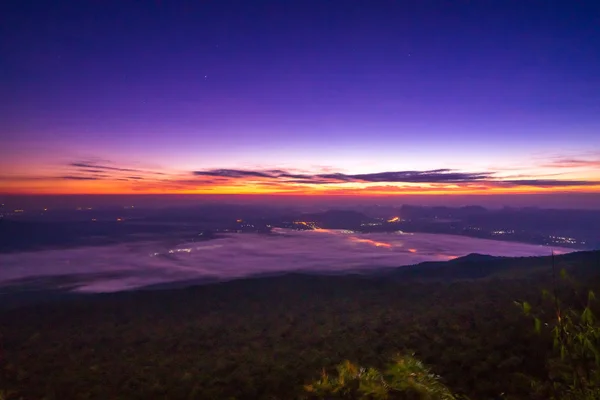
(118, 188)
(183, 183)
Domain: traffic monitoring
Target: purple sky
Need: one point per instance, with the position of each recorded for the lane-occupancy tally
(353, 87)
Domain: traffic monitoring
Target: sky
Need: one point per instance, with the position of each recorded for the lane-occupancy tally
(377, 98)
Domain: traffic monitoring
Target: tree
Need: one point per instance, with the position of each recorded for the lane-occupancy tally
(405, 378)
(574, 371)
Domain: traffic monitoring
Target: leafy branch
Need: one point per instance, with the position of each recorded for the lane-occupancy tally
(405, 378)
(574, 372)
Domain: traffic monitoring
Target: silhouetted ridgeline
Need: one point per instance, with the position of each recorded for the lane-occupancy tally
(265, 337)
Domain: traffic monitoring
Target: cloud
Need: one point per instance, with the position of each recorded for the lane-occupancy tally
(430, 176)
(93, 170)
(548, 183)
(313, 181)
(236, 173)
(100, 167)
(574, 163)
(442, 177)
(433, 176)
(275, 180)
(93, 167)
(294, 176)
(80, 178)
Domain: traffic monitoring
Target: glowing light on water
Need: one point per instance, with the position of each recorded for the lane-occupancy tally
(371, 242)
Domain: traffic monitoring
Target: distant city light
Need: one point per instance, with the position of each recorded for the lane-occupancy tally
(371, 242)
(564, 240)
(503, 232)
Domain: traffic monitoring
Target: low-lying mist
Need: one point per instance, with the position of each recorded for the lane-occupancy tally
(135, 265)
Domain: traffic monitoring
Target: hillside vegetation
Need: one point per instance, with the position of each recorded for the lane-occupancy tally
(270, 337)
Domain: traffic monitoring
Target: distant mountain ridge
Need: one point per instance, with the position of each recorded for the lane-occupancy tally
(475, 257)
(481, 266)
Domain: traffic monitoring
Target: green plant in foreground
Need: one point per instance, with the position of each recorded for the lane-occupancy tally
(405, 378)
(574, 372)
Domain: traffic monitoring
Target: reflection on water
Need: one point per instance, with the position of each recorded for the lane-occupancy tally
(126, 266)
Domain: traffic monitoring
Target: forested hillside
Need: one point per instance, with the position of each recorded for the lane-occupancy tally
(266, 338)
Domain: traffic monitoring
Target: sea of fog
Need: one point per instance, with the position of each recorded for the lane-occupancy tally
(134, 265)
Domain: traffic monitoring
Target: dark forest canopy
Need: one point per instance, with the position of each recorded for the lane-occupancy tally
(267, 337)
